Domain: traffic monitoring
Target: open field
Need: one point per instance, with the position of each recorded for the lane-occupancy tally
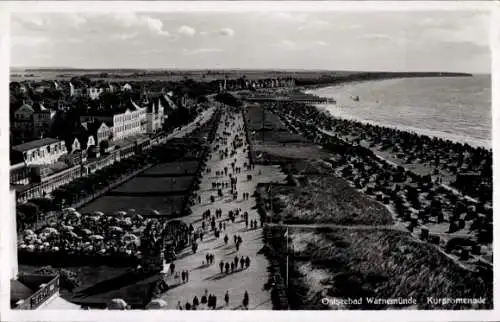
(180, 168)
(154, 185)
(381, 264)
(143, 204)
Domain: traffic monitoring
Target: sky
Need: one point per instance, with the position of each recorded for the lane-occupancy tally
(453, 41)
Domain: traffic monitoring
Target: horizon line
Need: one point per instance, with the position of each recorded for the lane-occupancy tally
(241, 69)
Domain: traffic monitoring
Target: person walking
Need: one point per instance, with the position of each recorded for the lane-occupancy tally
(221, 266)
(179, 305)
(246, 300)
(247, 262)
(196, 302)
(226, 239)
(224, 226)
(172, 268)
(236, 260)
(235, 239)
(232, 267)
(242, 262)
(187, 276)
(226, 298)
(183, 276)
(227, 268)
(188, 306)
(204, 299)
(214, 302)
(246, 223)
(237, 246)
(207, 257)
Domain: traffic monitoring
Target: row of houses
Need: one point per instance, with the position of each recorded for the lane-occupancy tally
(94, 136)
(94, 91)
(238, 84)
(74, 89)
(33, 120)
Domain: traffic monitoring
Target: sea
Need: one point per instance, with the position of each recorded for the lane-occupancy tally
(454, 108)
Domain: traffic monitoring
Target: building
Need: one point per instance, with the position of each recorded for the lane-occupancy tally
(95, 92)
(42, 151)
(126, 87)
(23, 125)
(124, 122)
(32, 121)
(155, 116)
(19, 174)
(76, 91)
(43, 118)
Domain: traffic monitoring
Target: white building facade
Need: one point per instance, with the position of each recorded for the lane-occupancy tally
(40, 152)
(155, 116)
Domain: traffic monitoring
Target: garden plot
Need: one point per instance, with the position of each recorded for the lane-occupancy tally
(143, 205)
(180, 168)
(159, 185)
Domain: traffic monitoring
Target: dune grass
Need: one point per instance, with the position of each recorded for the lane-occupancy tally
(324, 199)
(375, 263)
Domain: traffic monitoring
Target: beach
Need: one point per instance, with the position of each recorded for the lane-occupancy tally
(454, 108)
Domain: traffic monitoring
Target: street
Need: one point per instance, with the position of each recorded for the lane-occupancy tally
(203, 277)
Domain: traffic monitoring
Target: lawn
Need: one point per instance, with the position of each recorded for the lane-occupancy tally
(172, 169)
(143, 204)
(144, 185)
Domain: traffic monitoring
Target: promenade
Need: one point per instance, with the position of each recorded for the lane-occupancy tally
(201, 277)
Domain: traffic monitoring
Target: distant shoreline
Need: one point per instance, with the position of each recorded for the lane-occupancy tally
(475, 142)
(375, 77)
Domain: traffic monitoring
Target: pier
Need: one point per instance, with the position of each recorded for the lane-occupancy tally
(309, 100)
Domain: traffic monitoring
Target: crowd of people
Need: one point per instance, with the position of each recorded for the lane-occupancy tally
(440, 154)
(88, 234)
(209, 300)
(214, 221)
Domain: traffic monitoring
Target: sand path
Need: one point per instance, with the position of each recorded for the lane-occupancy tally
(203, 277)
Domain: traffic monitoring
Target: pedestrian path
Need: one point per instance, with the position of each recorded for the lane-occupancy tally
(209, 277)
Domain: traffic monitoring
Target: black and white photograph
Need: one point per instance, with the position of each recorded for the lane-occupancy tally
(272, 158)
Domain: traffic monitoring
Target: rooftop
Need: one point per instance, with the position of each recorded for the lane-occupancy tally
(34, 144)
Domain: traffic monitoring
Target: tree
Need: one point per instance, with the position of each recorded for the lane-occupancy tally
(30, 212)
(44, 204)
